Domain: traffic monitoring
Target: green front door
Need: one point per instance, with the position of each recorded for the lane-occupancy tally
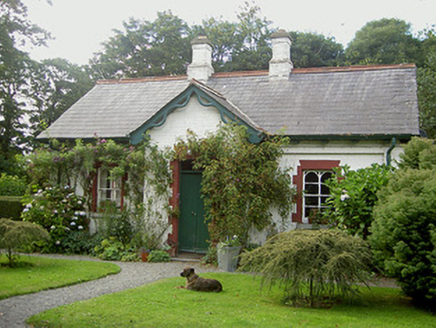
(193, 233)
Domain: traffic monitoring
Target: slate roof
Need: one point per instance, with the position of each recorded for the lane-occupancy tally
(340, 101)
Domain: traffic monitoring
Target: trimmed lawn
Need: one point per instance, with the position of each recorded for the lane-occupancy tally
(40, 273)
(241, 304)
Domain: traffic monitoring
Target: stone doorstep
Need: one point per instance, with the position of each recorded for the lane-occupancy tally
(188, 257)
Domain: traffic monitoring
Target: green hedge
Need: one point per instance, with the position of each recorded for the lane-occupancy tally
(11, 207)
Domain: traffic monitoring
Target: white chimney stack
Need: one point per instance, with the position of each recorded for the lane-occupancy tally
(280, 65)
(201, 67)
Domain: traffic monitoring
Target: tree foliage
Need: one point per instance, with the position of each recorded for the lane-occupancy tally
(57, 85)
(241, 180)
(145, 49)
(426, 78)
(15, 70)
(311, 264)
(384, 41)
(17, 234)
(404, 228)
(314, 50)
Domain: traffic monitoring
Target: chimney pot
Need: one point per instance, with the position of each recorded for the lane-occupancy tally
(201, 67)
(280, 65)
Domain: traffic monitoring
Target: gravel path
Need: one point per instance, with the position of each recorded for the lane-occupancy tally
(15, 310)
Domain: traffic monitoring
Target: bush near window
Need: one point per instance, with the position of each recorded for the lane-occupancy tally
(404, 227)
(353, 196)
(313, 266)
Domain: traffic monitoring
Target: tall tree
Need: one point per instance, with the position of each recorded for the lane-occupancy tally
(315, 50)
(426, 77)
(223, 36)
(384, 41)
(57, 85)
(253, 51)
(15, 67)
(145, 48)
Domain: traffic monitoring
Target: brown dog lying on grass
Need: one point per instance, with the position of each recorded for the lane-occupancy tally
(194, 282)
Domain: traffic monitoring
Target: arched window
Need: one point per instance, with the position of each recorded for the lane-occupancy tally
(315, 193)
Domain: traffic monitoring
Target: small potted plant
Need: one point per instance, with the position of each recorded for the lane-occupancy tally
(228, 253)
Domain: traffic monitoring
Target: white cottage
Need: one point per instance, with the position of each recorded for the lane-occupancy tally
(333, 116)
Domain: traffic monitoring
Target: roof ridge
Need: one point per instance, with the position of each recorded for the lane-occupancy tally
(309, 70)
(351, 68)
(144, 79)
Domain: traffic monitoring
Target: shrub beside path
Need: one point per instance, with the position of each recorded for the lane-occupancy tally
(15, 310)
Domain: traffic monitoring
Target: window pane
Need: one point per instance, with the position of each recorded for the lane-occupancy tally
(311, 201)
(323, 200)
(311, 177)
(312, 189)
(325, 176)
(325, 190)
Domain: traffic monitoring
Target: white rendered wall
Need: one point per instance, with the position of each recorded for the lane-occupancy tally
(355, 154)
(194, 116)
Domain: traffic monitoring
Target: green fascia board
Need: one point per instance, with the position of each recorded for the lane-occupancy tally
(182, 100)
(348, 137)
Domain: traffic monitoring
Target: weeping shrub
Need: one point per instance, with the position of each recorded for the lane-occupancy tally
(16, 234)
(311, 265)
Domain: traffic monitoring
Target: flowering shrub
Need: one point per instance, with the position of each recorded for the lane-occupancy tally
(353, 196)
(59, 211)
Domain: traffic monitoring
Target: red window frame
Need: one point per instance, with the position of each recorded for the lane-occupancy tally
(298, 180)
(94, 192)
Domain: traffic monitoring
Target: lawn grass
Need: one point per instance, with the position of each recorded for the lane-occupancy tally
(241, 304)
(40, 273)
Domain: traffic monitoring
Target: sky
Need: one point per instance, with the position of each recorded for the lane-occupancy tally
(80, 26)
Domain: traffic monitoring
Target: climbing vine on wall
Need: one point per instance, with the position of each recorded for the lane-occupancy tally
(242, 181)
(62, 164)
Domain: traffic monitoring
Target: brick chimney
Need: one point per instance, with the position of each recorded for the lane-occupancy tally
(201, 67)
(280, 65)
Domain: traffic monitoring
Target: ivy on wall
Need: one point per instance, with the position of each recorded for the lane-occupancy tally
(242, 181)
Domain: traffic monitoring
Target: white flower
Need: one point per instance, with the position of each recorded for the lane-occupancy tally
(73, 223)
(29, 205)
(344, 197)
(55, 211)
(83, 213)
(76, 213)
(58, 242)
(79, 202)
(25, 210)
(80, 227)
(52, 227)
(75, 218)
